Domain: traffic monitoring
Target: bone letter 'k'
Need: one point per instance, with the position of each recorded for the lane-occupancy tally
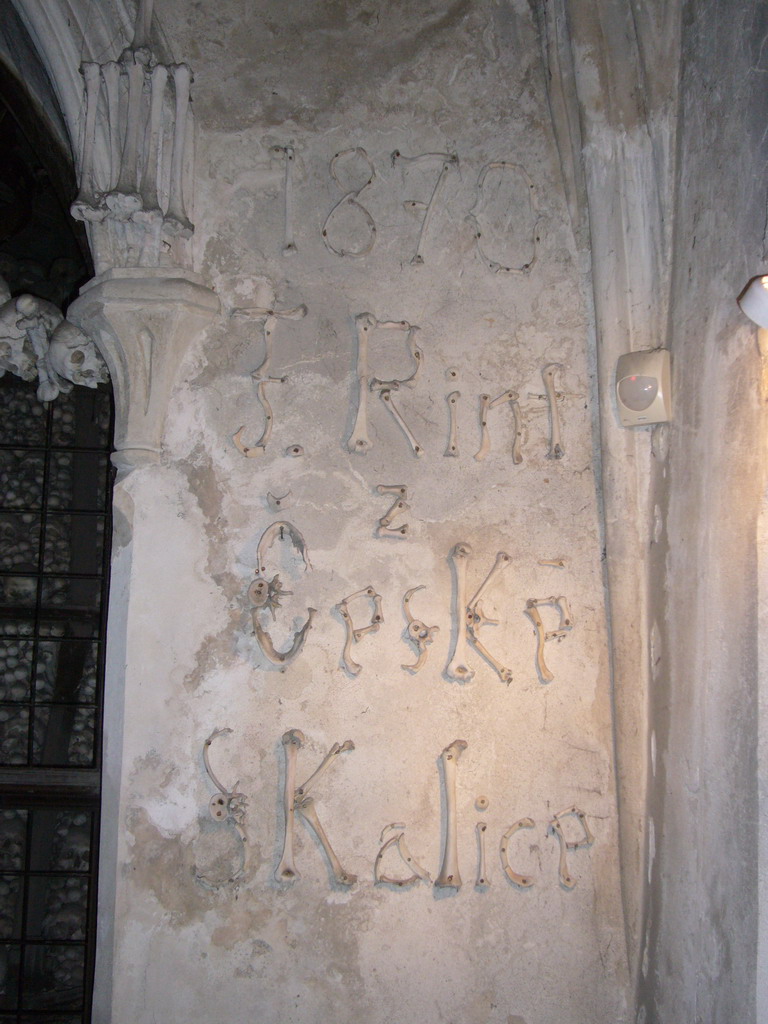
(297, 798)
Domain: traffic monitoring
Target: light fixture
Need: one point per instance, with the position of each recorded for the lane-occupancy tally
(644, 387)
(754, 301)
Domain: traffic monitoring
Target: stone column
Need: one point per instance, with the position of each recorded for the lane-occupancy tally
(143, 321)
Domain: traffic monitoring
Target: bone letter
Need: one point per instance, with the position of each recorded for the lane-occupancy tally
(482, 871)
(458, 668)
(520, 880)
(485, 444)
(449, 876)
(532, 612)
(359, 441)
(566, 879)
(289, 246)
(286, 869)
(556, 449)
(453, 443)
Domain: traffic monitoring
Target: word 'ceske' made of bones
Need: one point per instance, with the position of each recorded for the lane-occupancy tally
(394, 864)
(266, 594)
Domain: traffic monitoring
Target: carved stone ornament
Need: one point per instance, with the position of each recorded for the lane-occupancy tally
(143, 321)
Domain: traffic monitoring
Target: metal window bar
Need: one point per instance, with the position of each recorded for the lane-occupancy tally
(40, 790)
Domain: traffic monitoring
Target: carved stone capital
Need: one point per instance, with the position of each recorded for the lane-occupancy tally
(143, 320)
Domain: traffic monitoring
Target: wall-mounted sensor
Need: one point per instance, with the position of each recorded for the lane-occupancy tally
(644, 387)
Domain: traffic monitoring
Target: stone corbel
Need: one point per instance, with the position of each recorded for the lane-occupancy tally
(143, 321)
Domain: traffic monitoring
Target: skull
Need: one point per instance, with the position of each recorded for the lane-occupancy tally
(73, 356)
(36, 312)
(16, 354)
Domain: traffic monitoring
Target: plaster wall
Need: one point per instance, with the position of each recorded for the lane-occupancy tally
(707, 560)
(187, 943)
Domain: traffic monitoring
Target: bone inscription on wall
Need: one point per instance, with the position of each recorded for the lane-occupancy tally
(359, 441)
(497, 215)
(265, 594)
(228, 806)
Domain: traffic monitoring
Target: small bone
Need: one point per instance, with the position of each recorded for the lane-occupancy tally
(337, 748)
(416, 354)
(486, 404)
(453, 443)
(295, 451)
(417, 632)
(376, 621)
(517, 455)
(450, 876)
(359, 442)
(482, 881)
(148, 191)
(504, 673)
(564, 626)
(124, 200)
(87, 206)
(485, 443)
(502, 562)
(269, 320)
(228, 804)
(111, 73)
(399, 489)
(523, 881)
(286, 869)
(482, 803)
(270, 535)
(253, 451)
(176, 217)
(555, 827)
(386, 397)
(268, 648)
(557, 563)
(206, 761)
(533, 613)
(458, 667)
(142, 25)
(418, 872)
(307, 810)
(267, 594)
(289, 245)
(556, 449)
(382, 879)
(476, 618)
(275, 503)
(355, 635)
(350, 199)
(397, 508)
